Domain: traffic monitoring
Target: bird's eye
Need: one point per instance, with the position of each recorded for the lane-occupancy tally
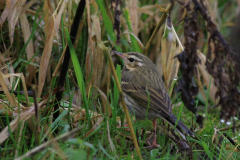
(131, 59)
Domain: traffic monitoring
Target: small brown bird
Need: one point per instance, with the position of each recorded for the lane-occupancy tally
(140, 80)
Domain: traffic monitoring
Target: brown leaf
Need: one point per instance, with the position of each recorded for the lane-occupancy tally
(54, 25)
(25, 115)
(207, 76)
(105, 102)
(12, 11)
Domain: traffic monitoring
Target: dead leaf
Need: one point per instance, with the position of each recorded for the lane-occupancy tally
(25, 115)
(206, 76)
(54, 25)
(12, 11)
(29, 49)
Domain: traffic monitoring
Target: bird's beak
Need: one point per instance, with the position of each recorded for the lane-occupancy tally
(119, 54)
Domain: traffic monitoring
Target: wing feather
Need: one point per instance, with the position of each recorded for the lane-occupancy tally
(159, 99)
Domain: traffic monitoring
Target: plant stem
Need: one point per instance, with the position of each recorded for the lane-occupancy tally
(124, 106)
(161, 21)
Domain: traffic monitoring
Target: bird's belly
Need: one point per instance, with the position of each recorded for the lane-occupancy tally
(139, 111)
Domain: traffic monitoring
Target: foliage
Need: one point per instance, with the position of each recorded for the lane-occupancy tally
(91, 124)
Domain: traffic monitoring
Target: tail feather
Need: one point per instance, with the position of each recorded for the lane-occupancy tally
(180, 126)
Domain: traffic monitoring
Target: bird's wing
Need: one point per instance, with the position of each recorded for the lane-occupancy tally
(159, 99)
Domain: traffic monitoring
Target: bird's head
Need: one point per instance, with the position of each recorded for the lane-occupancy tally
(134, 60)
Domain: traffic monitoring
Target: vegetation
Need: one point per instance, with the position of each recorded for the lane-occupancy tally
(40, 118)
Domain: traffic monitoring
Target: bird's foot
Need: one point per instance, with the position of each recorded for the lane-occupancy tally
(154, 144)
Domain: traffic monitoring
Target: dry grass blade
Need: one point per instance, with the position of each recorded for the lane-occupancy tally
(176, 63)
(25, 115)
(23, 83)
(80, 114)
(164, 58)
(96, 125)
(170, 64)
(5, 89)
(59, 62)
(29, 49)
(46, 19)
(133, 13)
(54, 25)
(138, 40)
(171, 61)
(12, 11)
(97, 57)
(69, 9)
(147, 10)
(79, 33)
(106, 104)
(110, 141)
(200, 86)
(89, 25)
(29, 4)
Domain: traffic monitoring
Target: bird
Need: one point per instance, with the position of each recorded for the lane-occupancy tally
(141, 80)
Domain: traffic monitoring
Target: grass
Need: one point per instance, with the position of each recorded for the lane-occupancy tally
(91, 121)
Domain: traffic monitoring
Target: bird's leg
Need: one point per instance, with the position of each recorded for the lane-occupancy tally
(154, 143)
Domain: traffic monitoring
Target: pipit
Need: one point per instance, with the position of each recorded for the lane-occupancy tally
(141, 83)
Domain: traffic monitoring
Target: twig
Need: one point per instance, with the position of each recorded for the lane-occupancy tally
(161, 21)
(225, 129)
(231, 141)
(67, 56)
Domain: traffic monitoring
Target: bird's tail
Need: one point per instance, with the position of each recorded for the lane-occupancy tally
(180, 126)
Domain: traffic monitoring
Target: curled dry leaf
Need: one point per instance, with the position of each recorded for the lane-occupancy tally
(206, 76)
(12, 11)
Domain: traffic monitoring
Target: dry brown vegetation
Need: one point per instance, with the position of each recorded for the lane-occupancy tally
(60, 96)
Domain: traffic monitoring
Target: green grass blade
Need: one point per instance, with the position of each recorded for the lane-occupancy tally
(206, 148)
(108, 24)
(179, 115)
(78, 71)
